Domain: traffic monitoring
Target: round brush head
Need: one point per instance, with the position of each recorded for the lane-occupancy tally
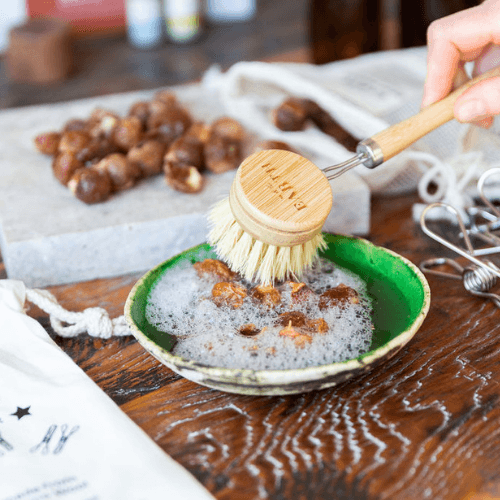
(270, 227)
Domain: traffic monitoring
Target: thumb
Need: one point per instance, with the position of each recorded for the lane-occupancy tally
(479, 102)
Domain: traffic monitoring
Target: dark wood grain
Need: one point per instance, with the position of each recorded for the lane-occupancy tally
(423, 425)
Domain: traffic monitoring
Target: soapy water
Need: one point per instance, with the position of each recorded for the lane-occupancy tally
(180, 304)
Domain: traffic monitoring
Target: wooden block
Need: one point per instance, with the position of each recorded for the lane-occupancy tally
(40, 51)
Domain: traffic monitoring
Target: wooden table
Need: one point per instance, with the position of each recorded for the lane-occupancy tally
(424, 425)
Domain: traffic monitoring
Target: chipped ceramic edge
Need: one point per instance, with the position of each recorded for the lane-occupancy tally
(279, 382)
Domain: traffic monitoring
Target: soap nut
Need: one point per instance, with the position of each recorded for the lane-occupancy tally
(228, 294)
(48, 143)
(340, 296)
(148, 156)
(184, 179)
(267, 295)
(90, 185)
(64, 166)
(122, 173)
(214, 270)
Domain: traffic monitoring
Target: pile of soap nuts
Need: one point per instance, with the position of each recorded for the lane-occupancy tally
(106, 153)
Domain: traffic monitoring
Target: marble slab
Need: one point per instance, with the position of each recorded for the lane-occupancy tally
(48, 237)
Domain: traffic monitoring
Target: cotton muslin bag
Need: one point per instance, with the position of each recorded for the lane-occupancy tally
(61, 436)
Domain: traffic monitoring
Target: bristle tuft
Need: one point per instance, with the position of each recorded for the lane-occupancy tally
(250, 268)
(253, 259)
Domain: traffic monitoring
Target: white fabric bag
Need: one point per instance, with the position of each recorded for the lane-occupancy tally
(61, 436)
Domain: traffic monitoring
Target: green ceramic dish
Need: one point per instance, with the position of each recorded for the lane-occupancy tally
(400, 296)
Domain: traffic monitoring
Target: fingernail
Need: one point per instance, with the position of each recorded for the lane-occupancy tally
(470, 110)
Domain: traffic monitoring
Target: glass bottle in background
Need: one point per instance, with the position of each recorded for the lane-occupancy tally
(341, 29)
(182, 20)
(231, 10)
(144, 23)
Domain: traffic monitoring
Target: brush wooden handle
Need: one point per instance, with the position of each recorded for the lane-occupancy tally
(280, 197)
(396, 138)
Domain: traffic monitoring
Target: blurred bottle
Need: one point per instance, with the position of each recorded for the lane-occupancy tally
(416, 17)
(182, 19)
(340, 29)
(144, 23)
(231, 10)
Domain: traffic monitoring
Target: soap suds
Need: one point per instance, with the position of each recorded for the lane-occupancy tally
(180, 304)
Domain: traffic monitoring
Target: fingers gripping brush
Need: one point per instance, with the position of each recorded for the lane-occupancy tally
(270, 226)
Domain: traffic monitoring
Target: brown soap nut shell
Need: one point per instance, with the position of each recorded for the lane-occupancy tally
(266, 295)
(48, 143)
(249, 330)
(122, 173)
(184, 179)
(73, 141)
(214, 270)
(148, 156)
(90, 185)
(318, 325)
(98, 114)
(291, 115)
(221, 154)
(156, 109)
(228, 128)
(300, 339)
(299, 292)
(128, 132)
(76, 125)
(96, 149)
(170, 123)
(165, 96)
(294, 112)
(64, 166)
(265, 145)
(141, 110)
(102, 123)
(186, 151)
(327, 124)
(199, 131)
(228, 294)
(340, 296)
(294, 318)
(155, 135)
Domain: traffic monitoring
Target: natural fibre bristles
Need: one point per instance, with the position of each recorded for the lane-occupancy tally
(253, 259)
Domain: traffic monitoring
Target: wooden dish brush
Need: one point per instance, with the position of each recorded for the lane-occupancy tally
(270, 226)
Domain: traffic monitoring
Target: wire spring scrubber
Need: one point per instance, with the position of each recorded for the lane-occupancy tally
(481, 275)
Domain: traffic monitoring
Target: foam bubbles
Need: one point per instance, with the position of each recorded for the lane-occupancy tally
(180, 305)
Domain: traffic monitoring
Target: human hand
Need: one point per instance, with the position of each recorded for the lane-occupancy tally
(470, 35)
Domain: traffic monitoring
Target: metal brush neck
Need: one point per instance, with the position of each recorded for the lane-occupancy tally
(372, 153)
(369, 154)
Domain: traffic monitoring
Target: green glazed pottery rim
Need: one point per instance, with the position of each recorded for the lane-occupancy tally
(290, 381)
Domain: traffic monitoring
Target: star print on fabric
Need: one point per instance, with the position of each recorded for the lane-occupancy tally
(21, 412)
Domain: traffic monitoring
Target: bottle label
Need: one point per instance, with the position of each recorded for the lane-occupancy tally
(183, 28)
(182, 19)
